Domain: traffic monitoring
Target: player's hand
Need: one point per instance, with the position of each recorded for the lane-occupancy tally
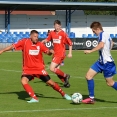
(87, 51)
(52, 51)
(1, 51)
(43, 41)
(69, 55)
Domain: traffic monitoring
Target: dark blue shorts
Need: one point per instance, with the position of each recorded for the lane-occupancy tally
(108, 69)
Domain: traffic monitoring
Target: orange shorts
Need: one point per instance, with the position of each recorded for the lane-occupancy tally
(58, 60)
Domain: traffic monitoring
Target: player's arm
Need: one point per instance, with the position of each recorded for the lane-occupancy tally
(16, 46)
(102, 40)
(98, 47)
(46, 50)
(69, 42)
(50, 52)
(70, 52)
(6, 49)
(47, 39)
(44, 41)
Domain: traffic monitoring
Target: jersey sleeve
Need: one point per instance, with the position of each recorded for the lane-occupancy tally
(102, 38)
(19, 45)
(110, 38)
(49, 38)
(68, 40)
(44, 48)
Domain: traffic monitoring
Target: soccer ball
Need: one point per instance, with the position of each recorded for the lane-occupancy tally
(77, 98)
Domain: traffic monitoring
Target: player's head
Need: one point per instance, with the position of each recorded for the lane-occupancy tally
(96, 27)
(57, 25)
(34, 36)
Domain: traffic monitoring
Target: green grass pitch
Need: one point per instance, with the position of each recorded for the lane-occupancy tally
(13, 97)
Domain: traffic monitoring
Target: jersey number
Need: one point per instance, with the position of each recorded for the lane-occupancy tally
(44, 72)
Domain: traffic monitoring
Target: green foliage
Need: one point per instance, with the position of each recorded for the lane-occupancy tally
(89, 12)
(90, 0)
(97, 12)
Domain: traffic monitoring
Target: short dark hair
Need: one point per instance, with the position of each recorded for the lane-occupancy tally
(96, 25)
(57, 22)
(34, 31)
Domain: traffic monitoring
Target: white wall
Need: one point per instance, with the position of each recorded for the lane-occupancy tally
(79, 24)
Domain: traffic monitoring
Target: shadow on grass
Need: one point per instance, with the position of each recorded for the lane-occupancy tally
(75, 103)
(39, 81)
(99, 100)
(49, 63)
(22, 95)
(59, 83)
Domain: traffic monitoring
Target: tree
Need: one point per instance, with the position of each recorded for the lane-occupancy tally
(89, 0)
(95, 12)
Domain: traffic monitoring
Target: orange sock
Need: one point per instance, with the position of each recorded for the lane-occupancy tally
(59, 72)
(58, 89)
(61, 78)
(30, 91)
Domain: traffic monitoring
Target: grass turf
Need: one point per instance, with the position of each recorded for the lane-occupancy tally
(13, 97)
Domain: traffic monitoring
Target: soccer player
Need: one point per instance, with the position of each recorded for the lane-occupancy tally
(104, 64)
(62, 64)
(33, 64)
(60, 39)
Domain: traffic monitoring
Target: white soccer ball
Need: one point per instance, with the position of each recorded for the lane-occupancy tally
(77, 98)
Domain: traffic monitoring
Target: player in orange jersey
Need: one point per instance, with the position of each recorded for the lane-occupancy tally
(33, 64)
(60, 39)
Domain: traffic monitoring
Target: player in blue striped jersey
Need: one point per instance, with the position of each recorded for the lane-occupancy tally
(105, 64)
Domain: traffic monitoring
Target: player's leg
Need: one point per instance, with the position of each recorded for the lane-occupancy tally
(24, 80)
(59, 76)
(90, 82)
(95, 68)
(60, 73)
(62, 63)
(55, 86)
(109, 72)
(53, 67)
(110, 82)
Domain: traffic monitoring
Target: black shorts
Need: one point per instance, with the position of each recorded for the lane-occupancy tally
(42, 77)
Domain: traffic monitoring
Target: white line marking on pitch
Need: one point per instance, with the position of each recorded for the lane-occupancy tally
(10, 70)
(79, 77)
(10, 62)
(18, 71)
(50, 110)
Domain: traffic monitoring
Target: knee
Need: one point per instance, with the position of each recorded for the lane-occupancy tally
(110, 84)
(24, 80)
(50, 83)
(88, 77)
(52, 69)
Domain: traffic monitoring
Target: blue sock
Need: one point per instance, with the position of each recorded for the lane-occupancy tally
(91, 87)
(115, 86)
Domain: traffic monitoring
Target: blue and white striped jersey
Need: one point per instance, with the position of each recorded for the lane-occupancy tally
(104, 53)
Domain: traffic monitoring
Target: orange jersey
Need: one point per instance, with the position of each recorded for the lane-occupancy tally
(60, 39)
(32, 55)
